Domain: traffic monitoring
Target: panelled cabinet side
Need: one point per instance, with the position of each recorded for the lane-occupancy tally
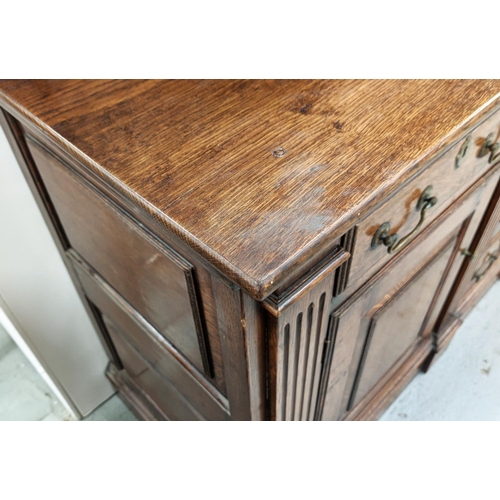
(229, 313)
(339, 337)
(26, 164)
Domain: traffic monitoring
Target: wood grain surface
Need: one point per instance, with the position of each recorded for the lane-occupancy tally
(257, 176)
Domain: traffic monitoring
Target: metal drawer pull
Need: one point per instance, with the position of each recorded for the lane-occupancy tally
(491, 259)
(463, 151)
(382, 236)
(490, 147)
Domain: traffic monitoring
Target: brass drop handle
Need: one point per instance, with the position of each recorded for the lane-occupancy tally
(490, 147)
(491, 259)
(382, 236)
(463, 151)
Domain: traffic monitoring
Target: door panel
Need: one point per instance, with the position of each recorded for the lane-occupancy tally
(389, 322)
(468, 288)
(396, 325)
(150, 275)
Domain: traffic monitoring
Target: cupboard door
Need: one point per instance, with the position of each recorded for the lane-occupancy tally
(376, 330)
(396, 322)
(478, 271)
(379, 337)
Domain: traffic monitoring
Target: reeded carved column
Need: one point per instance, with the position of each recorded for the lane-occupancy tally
(297, 325)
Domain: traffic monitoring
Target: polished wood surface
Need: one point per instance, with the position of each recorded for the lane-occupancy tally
(164, 394)
(228, 165)
(158, 282)
(151, 345)
(249, 209)
(389, 320)
(448, 184)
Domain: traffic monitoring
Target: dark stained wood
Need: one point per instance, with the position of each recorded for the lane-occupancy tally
(297, 332)
(450, 303)
(157, 231)
(348, 243)
(198, 155)
(153, 278)
(385, 324)
(255, 343)
(443, 340)
(483, 245)
(478, 288)
(25, 161)
(448, 184)
(158, 390)
(137, 401)
(151, 345)
(277, 303)
(258, 201)
(242, 343)
(396, 326)
(384, 394)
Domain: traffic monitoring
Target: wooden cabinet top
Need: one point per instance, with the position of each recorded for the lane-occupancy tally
(256, 176)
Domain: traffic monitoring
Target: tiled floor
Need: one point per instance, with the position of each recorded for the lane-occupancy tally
(114, 409)
(463, 384)
(24, 395)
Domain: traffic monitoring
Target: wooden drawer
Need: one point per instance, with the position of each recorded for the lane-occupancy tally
(449, 176)
(153, 278)
(382, 333)
(160, 356)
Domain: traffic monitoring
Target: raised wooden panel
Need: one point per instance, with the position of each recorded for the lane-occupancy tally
(164, 395)
(157, 281)
(151, 345)
(463, 293)
(397, 323)
(351, 367)
(386, 326)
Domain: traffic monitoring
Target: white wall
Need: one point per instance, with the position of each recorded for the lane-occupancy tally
(40, 299)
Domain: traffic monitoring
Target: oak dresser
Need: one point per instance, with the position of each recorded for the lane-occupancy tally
(266, 250)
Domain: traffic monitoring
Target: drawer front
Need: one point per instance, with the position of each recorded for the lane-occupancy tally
(154, 279)
(449, 177)
(384, 331)
(160, 355)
